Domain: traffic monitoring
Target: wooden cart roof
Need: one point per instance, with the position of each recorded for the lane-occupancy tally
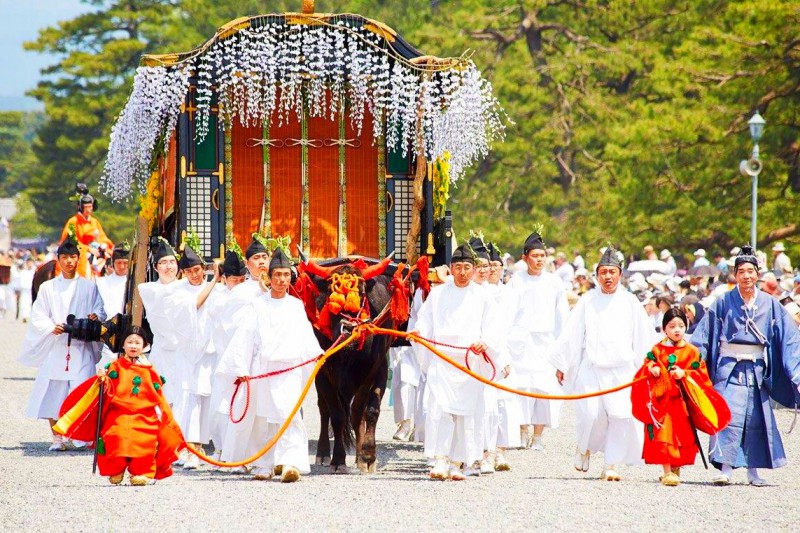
(400, 45)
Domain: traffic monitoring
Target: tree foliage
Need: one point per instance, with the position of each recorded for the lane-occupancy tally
(83, 93)
(18, 165)
(17, 161)
(629, 118)
(24, 224)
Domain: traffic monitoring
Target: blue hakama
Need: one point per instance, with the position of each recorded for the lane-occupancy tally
(752, 438)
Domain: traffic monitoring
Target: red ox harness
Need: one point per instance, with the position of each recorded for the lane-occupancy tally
(346, 299)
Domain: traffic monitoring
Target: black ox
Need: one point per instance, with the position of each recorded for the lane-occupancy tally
(350, 386)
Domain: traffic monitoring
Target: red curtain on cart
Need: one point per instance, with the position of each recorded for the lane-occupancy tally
(323, 187)
(363, 204)
(285, 167)
(246, 189)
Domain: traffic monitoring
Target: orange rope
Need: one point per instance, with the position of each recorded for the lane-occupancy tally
(357, 332)
(429, 346)
(370, 329)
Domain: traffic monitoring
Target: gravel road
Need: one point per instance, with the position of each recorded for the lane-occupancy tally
(49, 491)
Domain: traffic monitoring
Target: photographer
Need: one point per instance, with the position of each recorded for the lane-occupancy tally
(50, 344)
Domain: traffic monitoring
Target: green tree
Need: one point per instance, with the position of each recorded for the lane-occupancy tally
(629, 119)
(24, 223)
(82, 94)
(17, 161)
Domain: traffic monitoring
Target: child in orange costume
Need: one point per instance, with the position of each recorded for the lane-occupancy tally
(669, 438)
(138, 432)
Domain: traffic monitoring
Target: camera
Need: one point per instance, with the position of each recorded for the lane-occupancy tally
(84, 329)
(111, 332)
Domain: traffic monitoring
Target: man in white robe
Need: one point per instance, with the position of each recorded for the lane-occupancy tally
(112, 291)
(458, 313)
(63, 363)
(503, 409)
(274, 335)
(24, 284)
(164, 350)
(600, 348)
(487, 414)
(408, 381)
(241, 296)
(436, 276)
(233, 271)
(196, 357)
(541, 310)
(237, 305)
(405, 379)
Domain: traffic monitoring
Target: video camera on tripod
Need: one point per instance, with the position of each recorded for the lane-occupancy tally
(110, 332)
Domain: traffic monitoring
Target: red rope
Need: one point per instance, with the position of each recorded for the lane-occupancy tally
(247, 379)
(238, 383)
(466, 349)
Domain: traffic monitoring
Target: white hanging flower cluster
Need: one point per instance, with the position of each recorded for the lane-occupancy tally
(275, 69)
(152, 110)
(466, 127)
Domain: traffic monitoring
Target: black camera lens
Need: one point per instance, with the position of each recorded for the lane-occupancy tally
(83, 329)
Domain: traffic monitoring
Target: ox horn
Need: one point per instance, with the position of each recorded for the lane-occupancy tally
(303, 257)
(377, 270)
(313, 268)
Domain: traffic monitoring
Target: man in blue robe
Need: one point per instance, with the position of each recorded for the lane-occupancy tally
(752, 350)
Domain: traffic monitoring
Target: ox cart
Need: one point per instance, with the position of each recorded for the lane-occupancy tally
(328, 129)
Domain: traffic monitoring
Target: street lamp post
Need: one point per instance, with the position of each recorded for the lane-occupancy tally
(752, 168)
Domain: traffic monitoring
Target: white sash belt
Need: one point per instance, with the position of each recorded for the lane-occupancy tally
(742, 352)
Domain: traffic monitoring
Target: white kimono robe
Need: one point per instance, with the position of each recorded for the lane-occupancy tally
(602, 346)
(228, 315)
(41, 348)
(221, 389)
(460, 317)
(540, 313)
(163, 353)
(504, 414)
(25, 284)
(196, 360)
(238, 303)
(112, 291)
(275, 334)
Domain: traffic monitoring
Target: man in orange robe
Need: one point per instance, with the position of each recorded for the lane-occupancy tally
(88, 230)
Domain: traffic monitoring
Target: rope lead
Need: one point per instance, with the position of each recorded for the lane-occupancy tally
(360, 331)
